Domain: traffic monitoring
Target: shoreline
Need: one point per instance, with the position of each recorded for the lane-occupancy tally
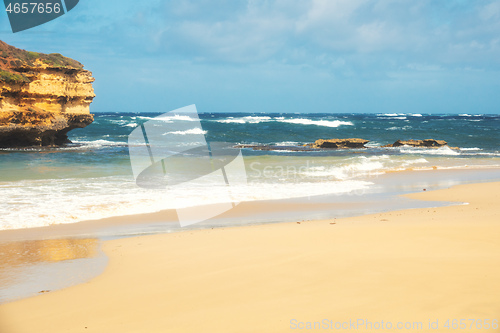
(394, 181)
(417, 264)
(51, 207)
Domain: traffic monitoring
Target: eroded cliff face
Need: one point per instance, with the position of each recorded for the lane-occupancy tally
(42, 97)
(50, 89)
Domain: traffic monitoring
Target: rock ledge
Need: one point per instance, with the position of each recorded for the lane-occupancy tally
(429, 143)
(339, 143)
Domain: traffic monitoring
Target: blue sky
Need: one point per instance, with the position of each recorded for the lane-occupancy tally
(282, 55)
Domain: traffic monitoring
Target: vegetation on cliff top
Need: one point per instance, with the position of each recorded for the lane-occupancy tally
(13, 60)
(7, 76)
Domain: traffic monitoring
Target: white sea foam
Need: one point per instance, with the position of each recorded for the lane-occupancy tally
(298, 121)
(416, 161)
(395, 128)
(170, 119)
(287, 143)
(46, 202)
(95, 144)
(189, 131)
(245, 120)
(232, 120)
(176, 118)
(488, 154)
(373, 144)
(325, 123)
(361, 167)
(122, 122)
(445, 150)
(392, 117)
(350, 169)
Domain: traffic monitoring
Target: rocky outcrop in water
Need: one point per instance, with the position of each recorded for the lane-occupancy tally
(42, 97)
(348, 144)
(318, 144)
(429, 143)
(339, 143)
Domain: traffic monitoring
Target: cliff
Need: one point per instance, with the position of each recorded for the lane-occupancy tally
(42, 97)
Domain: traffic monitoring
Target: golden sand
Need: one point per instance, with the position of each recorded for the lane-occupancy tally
(409, 267)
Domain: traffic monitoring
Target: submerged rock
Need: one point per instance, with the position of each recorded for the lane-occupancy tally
(429, 143)
(318, 144)
(42, 97)
(274, 148)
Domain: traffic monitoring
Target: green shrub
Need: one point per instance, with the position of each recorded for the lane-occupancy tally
(33, 55)
(12, 77)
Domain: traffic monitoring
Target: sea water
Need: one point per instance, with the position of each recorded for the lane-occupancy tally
(92, 177)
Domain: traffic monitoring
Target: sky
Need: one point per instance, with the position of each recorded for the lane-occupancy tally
(339, 56)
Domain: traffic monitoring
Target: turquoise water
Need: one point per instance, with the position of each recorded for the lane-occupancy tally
(92, 178)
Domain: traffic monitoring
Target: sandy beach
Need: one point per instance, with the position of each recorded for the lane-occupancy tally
(250, 166)
(414, 269)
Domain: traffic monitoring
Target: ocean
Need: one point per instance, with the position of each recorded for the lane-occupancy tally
(92, 177)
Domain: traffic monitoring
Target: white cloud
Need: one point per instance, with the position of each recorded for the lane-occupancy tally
(490, 11)
(369, 36)
(327, 11)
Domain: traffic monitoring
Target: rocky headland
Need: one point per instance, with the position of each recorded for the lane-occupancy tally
(42, 97)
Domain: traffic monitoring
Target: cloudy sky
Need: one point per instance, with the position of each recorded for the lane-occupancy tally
(420, 56)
